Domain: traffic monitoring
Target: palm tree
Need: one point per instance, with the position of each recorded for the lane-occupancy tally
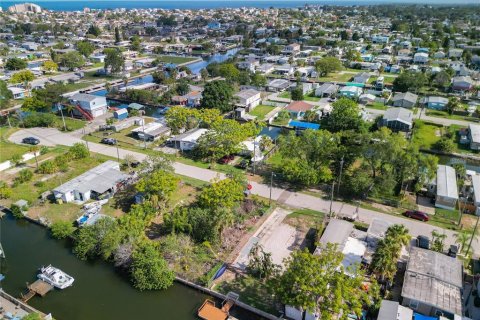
(69, 109)
(461, 239)
(399, 233)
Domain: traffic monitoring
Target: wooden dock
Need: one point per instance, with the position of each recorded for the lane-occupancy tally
(39, 287)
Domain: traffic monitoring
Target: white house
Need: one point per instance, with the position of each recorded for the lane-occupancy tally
(95, 105)
(248, 99)
(447, 193)
(104, 179)
(188, 141)
(420, 57)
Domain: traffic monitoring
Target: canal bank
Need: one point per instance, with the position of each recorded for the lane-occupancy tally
(99, 292)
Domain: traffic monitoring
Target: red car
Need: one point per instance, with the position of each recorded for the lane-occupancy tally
(419, 215)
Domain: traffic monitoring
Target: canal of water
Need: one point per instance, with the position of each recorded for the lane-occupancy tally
(99, 292)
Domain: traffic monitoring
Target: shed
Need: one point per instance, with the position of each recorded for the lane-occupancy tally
(120, 114)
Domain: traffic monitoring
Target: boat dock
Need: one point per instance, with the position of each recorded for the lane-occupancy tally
(208, 310)
(39, 287)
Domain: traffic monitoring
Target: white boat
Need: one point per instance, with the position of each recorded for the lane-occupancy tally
(55, 277)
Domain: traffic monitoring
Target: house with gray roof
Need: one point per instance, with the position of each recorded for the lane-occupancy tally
(474, 136)
(102, 180)
(437, 103)
(326, 90)
(433, 284)
(397, 119)
(446, 188)
(392, 310)
(405, 100)
(361, 77)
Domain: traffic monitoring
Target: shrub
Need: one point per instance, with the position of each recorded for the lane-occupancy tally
(62, 229)
(24, 175)
(38, 119)
(47, 167)
(16, 211)
(445, 145)
(5, 191)
(16, 159)
(43, 150)
(39, 184)
(79, 151)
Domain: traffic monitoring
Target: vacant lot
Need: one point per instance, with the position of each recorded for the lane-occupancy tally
(8, 149)
(425, 134)
(175, 59)
(261, 111)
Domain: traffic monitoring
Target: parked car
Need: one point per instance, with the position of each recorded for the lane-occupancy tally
(226, 159)
(109, 141)
(423, 242)
(418, 215)
(31, 140)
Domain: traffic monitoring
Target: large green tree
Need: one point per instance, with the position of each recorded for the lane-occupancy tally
(225, 193)
(114, 61)
(5, 95)
(71, 60)
(409, 81)
(85, 48)
(219, 95)
(15, 64)
(24, 76)
(316, 283)
(344, 116)
(149, 271)
(327, 65)
(158, 186)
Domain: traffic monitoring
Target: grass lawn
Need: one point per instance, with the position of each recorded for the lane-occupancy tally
(261, 111)
(445, 218)
(253, 292)
(444, 114)
(175, 59)
(7, 148)
(224, 168)
(425, 134)
(311, 97)
(285, 95)
(377, 106)
(72, 124)
(339, 77)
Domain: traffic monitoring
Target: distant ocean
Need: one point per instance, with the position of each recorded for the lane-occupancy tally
(69, 5)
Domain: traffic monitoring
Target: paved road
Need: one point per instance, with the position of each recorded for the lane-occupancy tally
(52, 137)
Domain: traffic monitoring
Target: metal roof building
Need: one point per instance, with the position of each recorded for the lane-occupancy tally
(447, 192)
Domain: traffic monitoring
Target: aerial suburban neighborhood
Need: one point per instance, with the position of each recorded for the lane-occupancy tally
(263, 160)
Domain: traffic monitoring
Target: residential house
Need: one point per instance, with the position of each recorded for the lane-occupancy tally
(18, 93)
(433, 283)
(187, 141)
(380, 38)
(97, 58)
(474, 136)
(292, 48)
(392, 310)
(462, 83)
(103, 180)
(446, 188)
(151, 131)
(476, 193)
(455, 53)
(361, 77)
(405, 100)
(397, 119)
(326, 90)
(420, 58)
(437, 103)
(351, 92)
(278, 85)
(94, 105)
(285, 70)
(265, 68)
(248, 99)
(297, 109)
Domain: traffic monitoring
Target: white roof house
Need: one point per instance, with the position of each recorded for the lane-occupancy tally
(96, 181)
(474, 135)
(447, 192)
(188, 141)
(476, 192)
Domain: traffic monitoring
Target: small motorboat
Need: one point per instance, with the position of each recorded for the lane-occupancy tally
(55, 277)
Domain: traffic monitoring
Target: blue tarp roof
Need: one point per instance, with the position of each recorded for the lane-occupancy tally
(355, 84)
(304, 125)
(417, 316)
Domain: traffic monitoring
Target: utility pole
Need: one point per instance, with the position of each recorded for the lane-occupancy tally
(63, 119)
(118, 153)
(144, 138)
(254, 154)
(340, 176)
(331, 199)
(271, 187)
